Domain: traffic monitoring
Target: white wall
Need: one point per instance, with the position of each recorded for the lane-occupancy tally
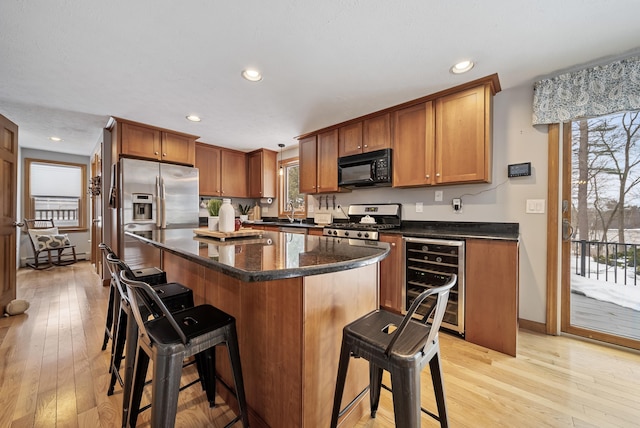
(515, 140)
(80, 239)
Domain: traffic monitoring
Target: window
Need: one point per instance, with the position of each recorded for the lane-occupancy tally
(289, 189)
(56, 190)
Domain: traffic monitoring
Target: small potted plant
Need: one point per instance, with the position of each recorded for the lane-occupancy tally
(214, 213)
(244, 212)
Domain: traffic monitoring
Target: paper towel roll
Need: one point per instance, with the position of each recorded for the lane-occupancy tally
(266, 200)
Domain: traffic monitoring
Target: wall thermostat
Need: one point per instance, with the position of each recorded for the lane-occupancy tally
(519, 169)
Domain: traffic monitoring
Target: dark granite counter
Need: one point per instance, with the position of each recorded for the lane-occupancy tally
(274, 255)
(458, 230)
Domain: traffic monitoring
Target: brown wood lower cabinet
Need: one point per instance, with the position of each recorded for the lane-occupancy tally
(290, 332)
(391, 274)
(491, 313)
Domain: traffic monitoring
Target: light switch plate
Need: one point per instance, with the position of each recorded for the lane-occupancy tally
(419, 207)
(535, 206)
(438, 197)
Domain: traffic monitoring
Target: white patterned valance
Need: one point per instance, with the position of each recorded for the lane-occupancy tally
(590, 92)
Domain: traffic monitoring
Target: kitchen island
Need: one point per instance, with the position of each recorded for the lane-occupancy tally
(291, 295)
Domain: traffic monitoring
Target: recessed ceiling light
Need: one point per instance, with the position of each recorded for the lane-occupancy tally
(193, 118)
(252, 75)
(462, 67)
(56, 139)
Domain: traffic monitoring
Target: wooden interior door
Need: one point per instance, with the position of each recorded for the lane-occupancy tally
(8, 202)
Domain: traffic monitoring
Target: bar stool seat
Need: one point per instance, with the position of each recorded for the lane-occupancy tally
(167, 339)
(402, 346)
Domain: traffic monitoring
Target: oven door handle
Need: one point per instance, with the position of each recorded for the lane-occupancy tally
(374, 171)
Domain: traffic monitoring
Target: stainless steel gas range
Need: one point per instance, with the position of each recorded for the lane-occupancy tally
(366, 221)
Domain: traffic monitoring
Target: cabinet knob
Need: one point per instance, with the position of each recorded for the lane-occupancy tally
(155, 153)
(366, 145)
(393, 244)
(164, 154)
(427, 176)
(438, 175)
(359, 147)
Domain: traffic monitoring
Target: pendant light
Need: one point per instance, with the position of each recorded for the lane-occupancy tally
(281, 172)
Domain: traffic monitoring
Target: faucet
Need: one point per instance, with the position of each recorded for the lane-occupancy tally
(293, 211)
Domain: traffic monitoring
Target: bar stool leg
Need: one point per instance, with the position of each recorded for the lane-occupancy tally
(375, 384)
(405, 384)
(129, 361)
(139, 375)
(165, 387)
(207, 371)
(109, 323)
(345, 355)
(116, 356)
(438, 388)
(236, 368)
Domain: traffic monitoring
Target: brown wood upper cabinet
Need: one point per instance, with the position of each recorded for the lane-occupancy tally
(146, 142)
(208, 164)
(262, 173)
(319, 163)
(223, 172)
(444, 141)
(365, 136)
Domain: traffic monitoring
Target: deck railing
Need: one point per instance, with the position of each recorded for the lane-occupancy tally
(607, 261)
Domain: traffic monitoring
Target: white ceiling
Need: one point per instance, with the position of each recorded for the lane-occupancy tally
(67, 65)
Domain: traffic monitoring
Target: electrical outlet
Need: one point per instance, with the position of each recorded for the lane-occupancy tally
(419, 207)
(457, 204)
(265, 210)
(438, 197)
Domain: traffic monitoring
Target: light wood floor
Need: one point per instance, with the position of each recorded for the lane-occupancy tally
(53, 373)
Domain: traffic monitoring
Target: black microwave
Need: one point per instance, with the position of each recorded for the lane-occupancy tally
(366, 169)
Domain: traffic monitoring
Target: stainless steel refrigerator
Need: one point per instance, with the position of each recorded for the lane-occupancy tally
(154, 196)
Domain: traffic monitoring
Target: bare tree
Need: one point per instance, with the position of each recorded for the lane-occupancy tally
(606, 151)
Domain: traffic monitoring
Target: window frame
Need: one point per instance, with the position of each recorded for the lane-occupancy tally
(82, 205)
(282, 211)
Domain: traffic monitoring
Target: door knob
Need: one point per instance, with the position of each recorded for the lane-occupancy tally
(17, 224)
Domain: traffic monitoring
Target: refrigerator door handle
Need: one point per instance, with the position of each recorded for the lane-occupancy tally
(158, 203)
(164, 205)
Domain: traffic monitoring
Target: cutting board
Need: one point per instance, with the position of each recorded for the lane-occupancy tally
(243, 232)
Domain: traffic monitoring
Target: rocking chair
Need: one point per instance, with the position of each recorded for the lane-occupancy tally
(46, 240)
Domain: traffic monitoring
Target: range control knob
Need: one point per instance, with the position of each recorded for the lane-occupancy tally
(346, 234)
(359, 234)
(366, 235)
(335, 232)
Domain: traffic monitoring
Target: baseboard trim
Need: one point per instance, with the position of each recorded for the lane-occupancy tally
(536, 327)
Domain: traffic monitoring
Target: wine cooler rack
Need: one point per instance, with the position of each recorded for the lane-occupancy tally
(429, 263)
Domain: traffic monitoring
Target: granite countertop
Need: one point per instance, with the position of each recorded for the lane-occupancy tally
(458, 230)
(273, 255)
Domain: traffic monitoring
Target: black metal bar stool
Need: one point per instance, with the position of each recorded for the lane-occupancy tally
(403, 352)
(167, 340)
(127, 334)
(151, 275)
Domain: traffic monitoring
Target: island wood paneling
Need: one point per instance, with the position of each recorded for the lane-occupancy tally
(290, 332)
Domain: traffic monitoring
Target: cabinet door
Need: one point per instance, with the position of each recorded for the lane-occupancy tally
(491, 295)
(234, 174)
(140, 141)
(463, 139)
(391, 274)
(262, 174)
(308, 164)
(178, 148)
(376, 133)
(350, 139)
(208, 163)
(413, 146)
(328, 161)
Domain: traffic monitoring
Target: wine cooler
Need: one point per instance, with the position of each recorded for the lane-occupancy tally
(429, 263)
